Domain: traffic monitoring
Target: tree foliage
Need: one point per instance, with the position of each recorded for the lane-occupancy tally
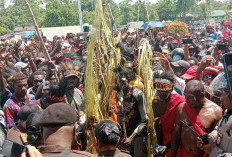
(166, 9)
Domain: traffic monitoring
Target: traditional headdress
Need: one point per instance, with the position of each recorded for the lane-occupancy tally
(163, 84)
(69, 69)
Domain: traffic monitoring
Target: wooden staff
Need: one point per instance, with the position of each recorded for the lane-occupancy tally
(38, 33)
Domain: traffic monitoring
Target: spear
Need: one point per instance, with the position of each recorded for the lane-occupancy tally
(38, 33)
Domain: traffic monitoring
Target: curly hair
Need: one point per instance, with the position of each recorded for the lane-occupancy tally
(18, 76)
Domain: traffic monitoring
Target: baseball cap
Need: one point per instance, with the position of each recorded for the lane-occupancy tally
(190, 73)
(57, 115)
(175, 41)
(20, 65)
(181, 63)
(107, 132)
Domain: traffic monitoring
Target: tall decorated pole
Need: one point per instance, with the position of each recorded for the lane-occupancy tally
(80, 15)
(38, 33)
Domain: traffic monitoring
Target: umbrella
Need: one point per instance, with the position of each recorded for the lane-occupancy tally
(153, 24)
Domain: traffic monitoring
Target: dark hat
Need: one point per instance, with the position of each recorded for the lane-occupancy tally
(107, 132)
(181, 63)
(57, 115)
(32, 126)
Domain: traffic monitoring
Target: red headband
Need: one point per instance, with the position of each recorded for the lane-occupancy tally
(53, 98)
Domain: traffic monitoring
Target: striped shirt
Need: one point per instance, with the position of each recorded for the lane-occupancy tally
(12, 107)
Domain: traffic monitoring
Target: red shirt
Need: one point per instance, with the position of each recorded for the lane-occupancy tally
(226, 32)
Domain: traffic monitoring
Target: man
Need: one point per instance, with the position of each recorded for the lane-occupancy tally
(226, 31)
(197, 113)
(107, 136)
(18, 132)
(38, 78)
(70, 81)
(220, 141)
(134, 113)
(165, 103)
(58, 123)
(18, 99)
(218, 31)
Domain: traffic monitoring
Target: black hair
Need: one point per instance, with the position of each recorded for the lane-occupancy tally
(26, 110)
(54, 90)
(9, 71)
(23, 58)
(126, 72)
(18, 76)
(194, 59)
(164, 75)
(196, 85)
(43, 68)
(38, 72)
(157, 67)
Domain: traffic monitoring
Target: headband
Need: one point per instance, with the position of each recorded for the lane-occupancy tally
(53, 98)
(163, 85)
(9, 78)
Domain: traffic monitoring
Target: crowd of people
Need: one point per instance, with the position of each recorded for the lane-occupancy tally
(43, 102)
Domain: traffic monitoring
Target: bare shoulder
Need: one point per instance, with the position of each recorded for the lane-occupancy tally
(215, 108)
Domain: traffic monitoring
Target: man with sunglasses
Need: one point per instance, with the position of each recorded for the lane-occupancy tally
(165, 103)
(197, 113)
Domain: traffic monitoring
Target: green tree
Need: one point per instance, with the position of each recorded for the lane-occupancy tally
(18, 15)
(183, 6)
(166, 10)
(59, 14)
(203, 10)
(3, 31)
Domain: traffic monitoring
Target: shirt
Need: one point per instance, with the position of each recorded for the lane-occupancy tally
(12, 106)
(226, 33)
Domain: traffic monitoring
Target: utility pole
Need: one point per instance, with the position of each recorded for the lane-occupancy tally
(80, 15)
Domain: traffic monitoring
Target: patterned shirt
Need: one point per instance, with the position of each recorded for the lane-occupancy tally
(12, 107)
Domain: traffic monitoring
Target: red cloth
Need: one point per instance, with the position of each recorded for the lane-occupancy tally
(196, 123)
(168, 119)
(194, 119)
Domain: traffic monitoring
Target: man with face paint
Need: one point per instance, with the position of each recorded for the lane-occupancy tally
(220, 141)
(197, 113)
(70, 82)
(165, 103)
(134, 114)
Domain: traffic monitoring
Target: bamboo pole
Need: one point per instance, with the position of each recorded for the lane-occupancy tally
(38, 33)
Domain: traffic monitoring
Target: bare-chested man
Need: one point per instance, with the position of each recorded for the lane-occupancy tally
(198, 113)
(165, 104)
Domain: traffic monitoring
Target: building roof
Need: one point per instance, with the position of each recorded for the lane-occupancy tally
(217, 13)
(24, 28)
